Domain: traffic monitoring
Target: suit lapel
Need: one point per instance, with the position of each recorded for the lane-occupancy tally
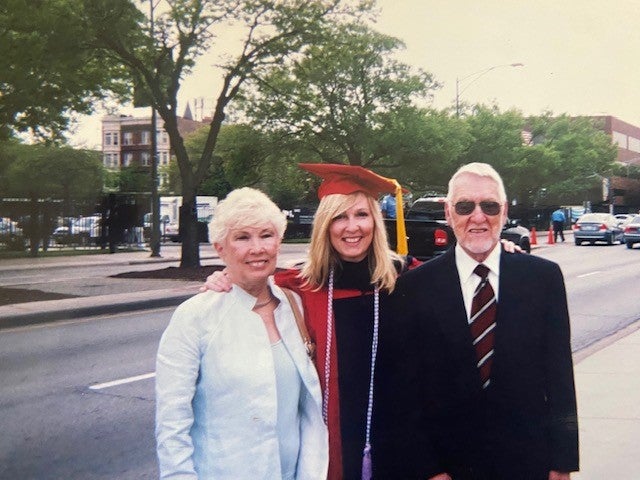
(450, 312)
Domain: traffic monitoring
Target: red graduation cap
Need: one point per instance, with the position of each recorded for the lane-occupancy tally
(347, 179)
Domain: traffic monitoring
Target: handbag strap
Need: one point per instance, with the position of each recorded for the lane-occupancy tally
(302, 326)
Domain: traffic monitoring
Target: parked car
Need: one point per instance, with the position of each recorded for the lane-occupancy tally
(597, 227)
(632, 232)
(517, 234)
(9, 227)
(82, 230)
(172, 232)
(624, 218)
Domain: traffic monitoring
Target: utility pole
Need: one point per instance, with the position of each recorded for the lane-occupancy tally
(154, 242)
(477, 75)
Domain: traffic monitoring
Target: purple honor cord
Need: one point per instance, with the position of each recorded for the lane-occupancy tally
(367, 467)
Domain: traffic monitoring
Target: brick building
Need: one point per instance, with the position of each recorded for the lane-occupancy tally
(625, 192)
(126, 141)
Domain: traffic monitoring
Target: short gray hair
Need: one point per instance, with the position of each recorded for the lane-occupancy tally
(245, 207)
(482, 170)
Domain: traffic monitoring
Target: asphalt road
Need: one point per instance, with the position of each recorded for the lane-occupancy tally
(601, 283)
(77, 400)
(61, 417)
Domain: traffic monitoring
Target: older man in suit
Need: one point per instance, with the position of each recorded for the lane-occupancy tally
(488, 335)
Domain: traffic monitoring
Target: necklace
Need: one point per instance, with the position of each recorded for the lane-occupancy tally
(265, 303)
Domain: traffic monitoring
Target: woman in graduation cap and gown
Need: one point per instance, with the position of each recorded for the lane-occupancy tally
(344, 284)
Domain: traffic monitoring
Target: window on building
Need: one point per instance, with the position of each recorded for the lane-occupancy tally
(127, 158)
(165, 158)
(115, 159)
(127, 138)
(115, 138)
(107, 138)
(145, 158)
(634, 144)
(619, 139)
(106, 160)
(145, 137)
(164, 138)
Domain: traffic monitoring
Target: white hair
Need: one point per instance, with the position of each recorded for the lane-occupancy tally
(482, 170)
(245, 207)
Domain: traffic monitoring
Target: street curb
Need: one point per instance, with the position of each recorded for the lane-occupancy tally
(586, 352)
(32, 313)
(150, 260)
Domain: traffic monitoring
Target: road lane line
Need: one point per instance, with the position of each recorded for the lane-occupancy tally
(589, 274)
(122, 381)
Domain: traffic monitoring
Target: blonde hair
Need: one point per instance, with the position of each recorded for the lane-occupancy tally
(323, 256)
(245, 207)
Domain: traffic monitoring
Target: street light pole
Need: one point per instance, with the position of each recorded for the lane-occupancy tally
(477, 75)
(154, 242)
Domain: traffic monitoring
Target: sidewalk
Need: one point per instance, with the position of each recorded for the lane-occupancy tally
(608, 390)
(103, 294)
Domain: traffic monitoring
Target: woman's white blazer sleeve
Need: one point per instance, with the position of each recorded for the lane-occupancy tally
(177, 368)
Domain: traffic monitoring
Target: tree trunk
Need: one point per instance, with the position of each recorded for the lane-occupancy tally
(189, 233)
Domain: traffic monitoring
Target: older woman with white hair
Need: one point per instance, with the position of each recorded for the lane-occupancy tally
(237, 395)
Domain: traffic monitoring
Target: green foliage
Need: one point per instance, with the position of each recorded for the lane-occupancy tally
(42, 171)
(577, 156)
(134, 178)
(342, 100)
(49, 67)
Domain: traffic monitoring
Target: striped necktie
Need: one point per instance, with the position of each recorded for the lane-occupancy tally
(483, 322)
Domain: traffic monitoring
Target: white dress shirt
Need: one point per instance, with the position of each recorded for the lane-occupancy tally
(469, 281)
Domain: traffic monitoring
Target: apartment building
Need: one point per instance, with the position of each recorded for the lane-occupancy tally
(126, 141)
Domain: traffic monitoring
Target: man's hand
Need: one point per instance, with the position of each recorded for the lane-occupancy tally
(219, 281)
(553, 475)
(510, 247)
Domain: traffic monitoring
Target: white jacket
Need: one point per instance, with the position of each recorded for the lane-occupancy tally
(216, 404)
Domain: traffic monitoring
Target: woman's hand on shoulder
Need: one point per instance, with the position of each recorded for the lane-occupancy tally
(218, 281)
(510, 247)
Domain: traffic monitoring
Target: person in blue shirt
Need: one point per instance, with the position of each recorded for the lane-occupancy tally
(388, 206)
(557, 220)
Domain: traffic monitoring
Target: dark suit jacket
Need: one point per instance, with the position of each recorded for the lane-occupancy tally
(525, 423)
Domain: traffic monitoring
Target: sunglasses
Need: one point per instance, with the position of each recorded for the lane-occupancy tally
(487, 207)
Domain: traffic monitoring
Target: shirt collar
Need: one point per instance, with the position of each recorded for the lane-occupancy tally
(466, 265)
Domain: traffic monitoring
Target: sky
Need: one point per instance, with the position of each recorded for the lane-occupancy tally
(580, 57)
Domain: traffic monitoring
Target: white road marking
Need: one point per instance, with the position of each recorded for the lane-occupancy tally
(589, 274)
(122, 381)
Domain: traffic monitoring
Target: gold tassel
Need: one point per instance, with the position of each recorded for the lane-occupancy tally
(401, 231)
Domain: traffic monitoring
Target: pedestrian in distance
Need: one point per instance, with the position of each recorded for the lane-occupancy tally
(237, 395)
(488, 335)
(557, 221)
(388, 206)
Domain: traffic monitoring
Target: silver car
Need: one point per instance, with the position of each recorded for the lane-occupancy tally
(597, 227)
(632, 232)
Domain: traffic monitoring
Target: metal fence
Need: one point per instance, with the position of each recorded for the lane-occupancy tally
(107, 222)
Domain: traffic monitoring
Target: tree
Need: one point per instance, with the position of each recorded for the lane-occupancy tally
(48, 68)
(343, 101)
(271, 31)
(40, 172)
(578, 154)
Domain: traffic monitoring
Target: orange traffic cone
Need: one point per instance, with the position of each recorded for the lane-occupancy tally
(550, 239)
(534, 237)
